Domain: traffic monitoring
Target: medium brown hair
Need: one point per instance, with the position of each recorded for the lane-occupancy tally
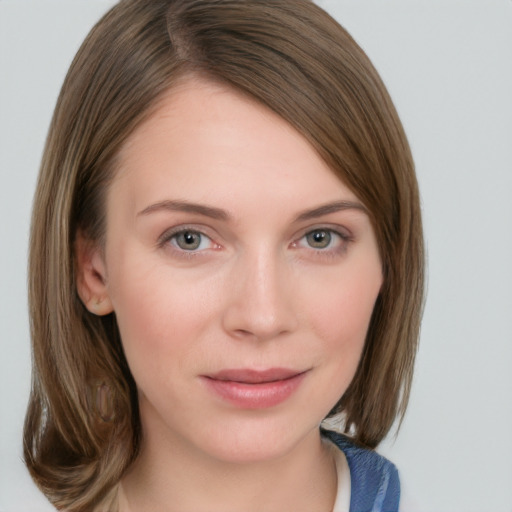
(288, 55)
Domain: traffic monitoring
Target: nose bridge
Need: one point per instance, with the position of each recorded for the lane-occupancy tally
(260, 304)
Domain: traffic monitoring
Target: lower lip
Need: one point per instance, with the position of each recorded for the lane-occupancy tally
(255, 396)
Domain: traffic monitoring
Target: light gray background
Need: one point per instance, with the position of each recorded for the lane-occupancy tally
(448, 66)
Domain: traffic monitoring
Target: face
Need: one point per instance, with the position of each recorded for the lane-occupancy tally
(242, 272)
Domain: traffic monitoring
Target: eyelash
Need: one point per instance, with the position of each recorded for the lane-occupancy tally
(169, 236)
(341, 241)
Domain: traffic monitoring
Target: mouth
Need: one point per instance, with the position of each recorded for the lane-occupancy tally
(248, 376)
(255, 389)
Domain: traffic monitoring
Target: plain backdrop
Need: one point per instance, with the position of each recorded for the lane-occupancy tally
(448, 66)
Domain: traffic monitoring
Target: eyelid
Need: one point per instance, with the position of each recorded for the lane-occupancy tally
(167, 235)
(342, 231)
(344, 235)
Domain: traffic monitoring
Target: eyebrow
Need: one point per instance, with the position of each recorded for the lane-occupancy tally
(328, 208)
(187, 207)
(219, 214)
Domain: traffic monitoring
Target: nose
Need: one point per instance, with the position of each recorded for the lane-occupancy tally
(259, 303)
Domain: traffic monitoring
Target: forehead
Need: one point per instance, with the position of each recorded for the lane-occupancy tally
(210, 143)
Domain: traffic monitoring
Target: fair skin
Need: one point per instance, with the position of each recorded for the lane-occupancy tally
(243, 274)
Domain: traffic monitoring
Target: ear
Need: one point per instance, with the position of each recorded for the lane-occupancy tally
(91, 276)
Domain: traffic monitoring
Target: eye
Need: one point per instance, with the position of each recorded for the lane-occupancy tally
(189, 240)
(319, 238)
(324, 242)
(322, 239)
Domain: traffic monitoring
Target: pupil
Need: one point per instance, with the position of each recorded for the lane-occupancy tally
(319, 239)
(189, 240)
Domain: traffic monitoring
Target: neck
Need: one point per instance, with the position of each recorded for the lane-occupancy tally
(174, 478)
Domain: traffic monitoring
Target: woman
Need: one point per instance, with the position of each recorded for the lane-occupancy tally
(226, 249)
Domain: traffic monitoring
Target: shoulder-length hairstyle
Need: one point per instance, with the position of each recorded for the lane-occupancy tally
(295, 59)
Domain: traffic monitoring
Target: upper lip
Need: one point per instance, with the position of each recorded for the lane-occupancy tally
(250, 376)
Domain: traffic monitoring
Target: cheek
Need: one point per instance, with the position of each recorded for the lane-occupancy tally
(158, 314)
(342, 308)
(340, 314)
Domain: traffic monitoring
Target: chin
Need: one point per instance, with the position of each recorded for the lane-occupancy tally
(262, 441)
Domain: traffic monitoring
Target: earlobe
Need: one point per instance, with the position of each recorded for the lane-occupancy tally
(99, 306)
(91, 276)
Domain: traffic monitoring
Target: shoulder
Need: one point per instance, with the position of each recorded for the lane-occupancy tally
(375, 485)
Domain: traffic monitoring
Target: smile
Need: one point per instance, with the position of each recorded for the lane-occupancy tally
(252, 389)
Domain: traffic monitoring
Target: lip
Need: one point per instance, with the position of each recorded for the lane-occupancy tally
(255, 389)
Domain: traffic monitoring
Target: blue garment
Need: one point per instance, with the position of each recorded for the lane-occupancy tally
(375, 486)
